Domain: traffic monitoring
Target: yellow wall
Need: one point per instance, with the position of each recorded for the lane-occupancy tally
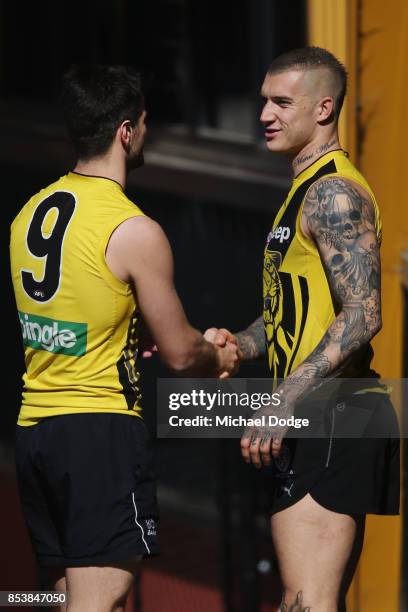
(378, 72)
(384, 90)
(332, 24)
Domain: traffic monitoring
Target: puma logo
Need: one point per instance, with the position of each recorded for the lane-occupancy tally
(288, 490)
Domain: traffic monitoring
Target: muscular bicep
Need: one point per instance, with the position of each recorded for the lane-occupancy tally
(340, 219)
(140, 254)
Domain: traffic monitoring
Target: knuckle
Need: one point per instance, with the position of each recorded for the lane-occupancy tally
(223, 331)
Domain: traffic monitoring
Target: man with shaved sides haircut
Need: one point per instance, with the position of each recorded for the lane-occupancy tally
(321, 308)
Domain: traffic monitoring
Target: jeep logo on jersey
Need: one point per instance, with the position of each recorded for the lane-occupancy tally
(52, 335)
(279, 233)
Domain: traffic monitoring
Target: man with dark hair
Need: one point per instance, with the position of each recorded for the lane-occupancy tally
(95, 100)
(322, 306)
(86, 266)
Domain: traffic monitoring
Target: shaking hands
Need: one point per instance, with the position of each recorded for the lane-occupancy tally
(228, 353)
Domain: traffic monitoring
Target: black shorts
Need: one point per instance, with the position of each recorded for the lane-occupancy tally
(356, 475)
(86, 489)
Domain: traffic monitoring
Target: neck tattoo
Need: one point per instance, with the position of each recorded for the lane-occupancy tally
(319, 151)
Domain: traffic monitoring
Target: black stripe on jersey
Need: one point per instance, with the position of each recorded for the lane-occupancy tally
(304, 292)
(288, 324)
(289, 311)
(128, 376)
(289, 216)
(281, 361)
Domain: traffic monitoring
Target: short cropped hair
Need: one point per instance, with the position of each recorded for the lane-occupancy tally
(96, 99)
(309, 58)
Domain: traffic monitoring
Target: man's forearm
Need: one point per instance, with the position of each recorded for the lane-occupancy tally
(205, 361)
(198, 357)
(252, 340)
(347, 334)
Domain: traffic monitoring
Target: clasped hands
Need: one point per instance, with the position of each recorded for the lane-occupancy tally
(229, 354)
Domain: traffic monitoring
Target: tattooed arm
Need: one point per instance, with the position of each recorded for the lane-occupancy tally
(252, 340)
(339, 217)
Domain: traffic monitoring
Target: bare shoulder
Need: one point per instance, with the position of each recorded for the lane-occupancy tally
(137, 228)
(136, 244)
(137, 233)
(337, 209)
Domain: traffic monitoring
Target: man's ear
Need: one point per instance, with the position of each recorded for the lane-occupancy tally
(125, 133)
(325, 110)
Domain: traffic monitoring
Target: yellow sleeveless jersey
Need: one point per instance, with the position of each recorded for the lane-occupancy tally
(298, 306)
(78, 321)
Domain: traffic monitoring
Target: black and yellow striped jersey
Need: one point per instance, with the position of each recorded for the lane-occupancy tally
(79, 322)
(298, 305)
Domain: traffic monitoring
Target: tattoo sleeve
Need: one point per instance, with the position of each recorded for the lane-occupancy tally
(252, 340)
(340, 218)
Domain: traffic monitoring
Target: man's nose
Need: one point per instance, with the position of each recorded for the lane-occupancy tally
(268, 114)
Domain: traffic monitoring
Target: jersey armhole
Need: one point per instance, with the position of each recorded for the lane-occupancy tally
(109, 277)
